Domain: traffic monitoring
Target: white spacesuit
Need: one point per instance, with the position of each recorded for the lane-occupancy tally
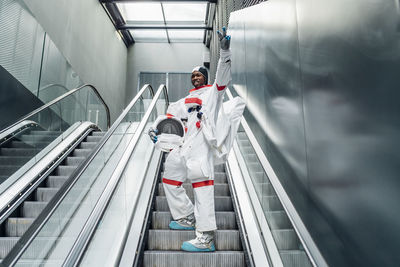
(203, 144)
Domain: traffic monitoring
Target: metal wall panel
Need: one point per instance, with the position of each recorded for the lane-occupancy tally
(321, 83)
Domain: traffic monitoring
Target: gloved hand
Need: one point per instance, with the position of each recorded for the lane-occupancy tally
(153, 134)
(224, 40)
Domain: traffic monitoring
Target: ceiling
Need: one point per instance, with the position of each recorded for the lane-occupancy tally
(161, 21)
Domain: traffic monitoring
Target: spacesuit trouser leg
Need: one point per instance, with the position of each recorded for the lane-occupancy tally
(174, 175)
(204, 210)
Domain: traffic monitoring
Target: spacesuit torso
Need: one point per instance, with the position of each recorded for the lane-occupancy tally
(206, 101)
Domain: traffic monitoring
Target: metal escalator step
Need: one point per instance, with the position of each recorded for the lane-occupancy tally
(219, 168)
(87, 145)
(32, 209)
(188, 259)
(17, 226)
(254, 167)
(8, 170)
(37, 138)
(225, 219)
(247, 150)
(56, 181)
(95, 138)
(10, 160)
(27, 144)
(6, 244)
(219, 178)
(295, 258)
(78, 152)
(19, 151)
(244, 143)
(219, 189)
(173, 239)
(45, 193)
(221, 203)
(286, 239)
(271, 203)
(242, 135)
(45, 133)
(264, 189)
(63, 170)
(3, 178)
(259, 177)
(278, 220)
(251, 158)
(74, 161)
(98, 133)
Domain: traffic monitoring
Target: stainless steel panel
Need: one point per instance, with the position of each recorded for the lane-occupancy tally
(321, 83)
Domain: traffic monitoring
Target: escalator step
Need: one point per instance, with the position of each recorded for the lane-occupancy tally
(295, 258)
(225, 219)
(286, 239)
(219, 189)
(98, 133)
(242, 136)
(23, 152)
(220, 178)
(45, 193)
(244, 143)
(259, 177)
(254, 167)
(20, 144)
(10, 160)
(278, 220)
(37, 138)
(31, 209)
(6, 244)
(95, 139)
(187, 259)
(172, 240)
(17, 226)
(271, 203)
(63, 170)
(56, 181)
(221, 204)
(8, 170)
(81, 152)
(74, 161)
(247, 150)
(48, 133)
(87, 145)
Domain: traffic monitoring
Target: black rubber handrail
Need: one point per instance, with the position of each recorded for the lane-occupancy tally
(58, 99)
(43, 217)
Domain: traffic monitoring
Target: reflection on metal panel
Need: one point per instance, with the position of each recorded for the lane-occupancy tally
(321, 83)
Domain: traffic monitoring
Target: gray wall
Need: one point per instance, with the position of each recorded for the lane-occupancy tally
(321, 81)
(161, 57)
(86, 37)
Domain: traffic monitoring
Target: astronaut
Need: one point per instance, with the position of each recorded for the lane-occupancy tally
(194, 159)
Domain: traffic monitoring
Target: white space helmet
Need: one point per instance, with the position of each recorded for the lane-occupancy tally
(170, 132)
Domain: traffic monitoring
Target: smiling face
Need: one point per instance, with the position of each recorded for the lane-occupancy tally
(198, 79)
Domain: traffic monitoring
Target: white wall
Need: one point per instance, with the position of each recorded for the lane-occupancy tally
(84, 34)
(160, 57)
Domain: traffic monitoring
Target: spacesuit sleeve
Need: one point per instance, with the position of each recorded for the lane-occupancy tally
(223, 75)
(175, 109)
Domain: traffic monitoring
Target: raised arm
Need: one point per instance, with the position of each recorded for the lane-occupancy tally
(223, 74)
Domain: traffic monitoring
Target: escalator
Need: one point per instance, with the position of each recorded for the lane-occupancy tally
(163, 245)
(38, 154)
(113, 211)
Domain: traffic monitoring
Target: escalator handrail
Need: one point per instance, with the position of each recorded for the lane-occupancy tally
(303, 234)
(40, 221)
(83, 239)
(58, 99)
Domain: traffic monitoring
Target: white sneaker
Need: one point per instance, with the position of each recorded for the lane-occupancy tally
(204, 242)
